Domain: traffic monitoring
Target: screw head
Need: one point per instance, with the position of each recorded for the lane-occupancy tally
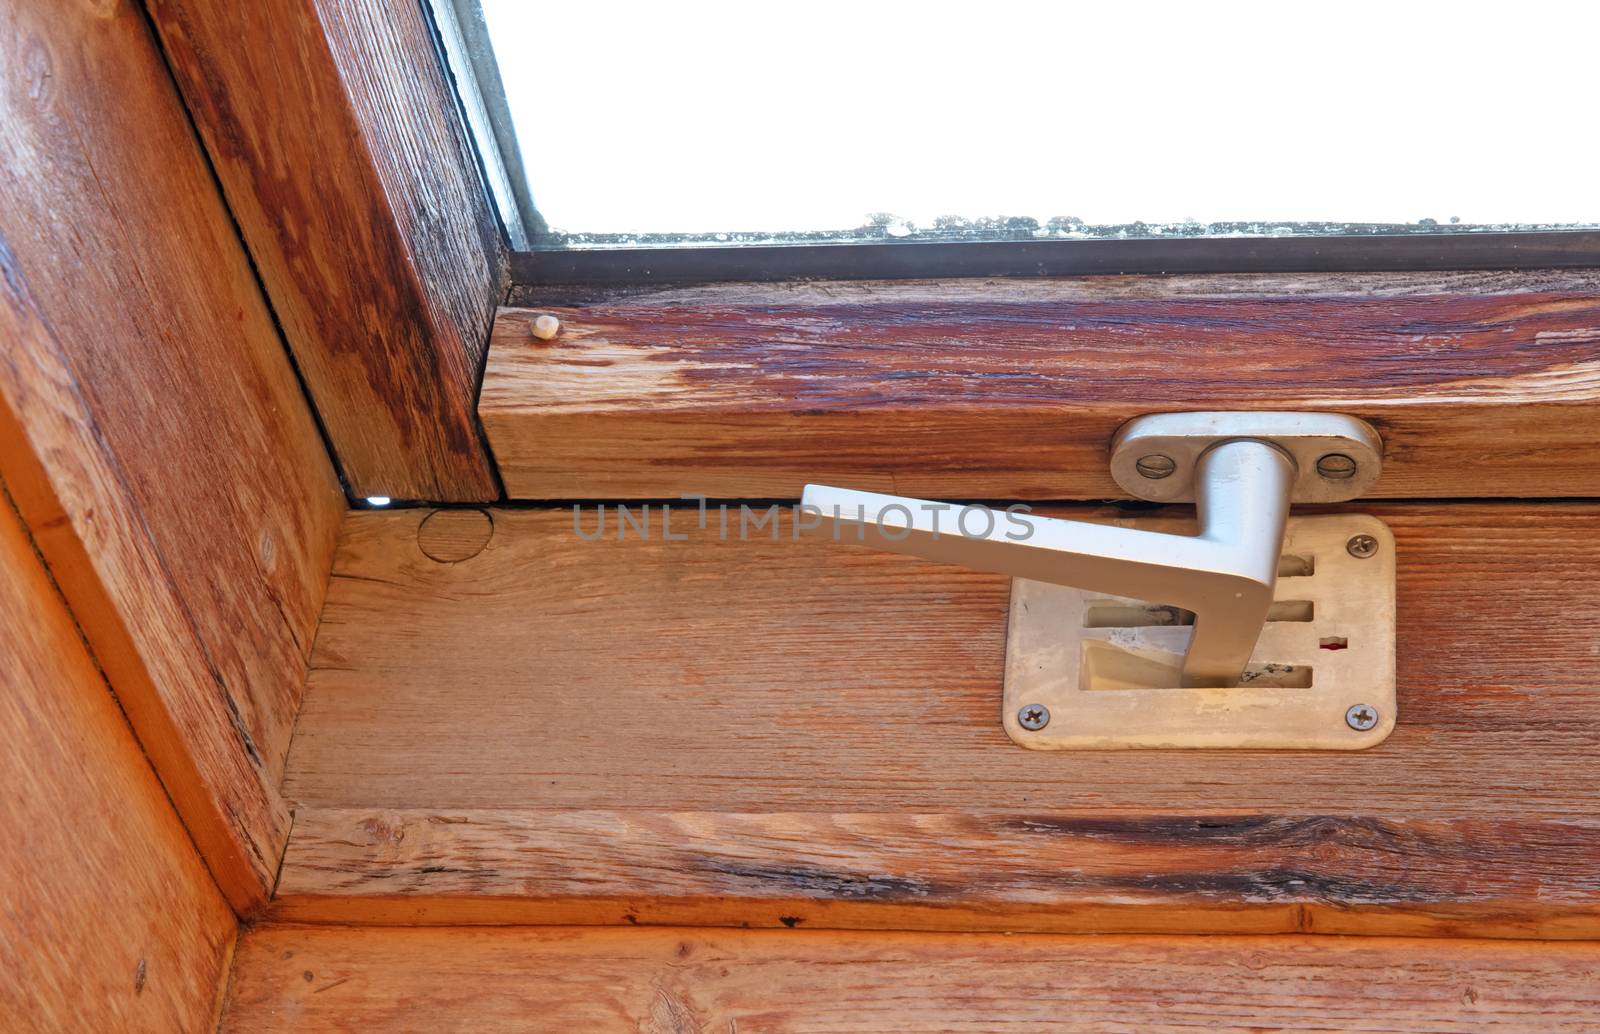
(1034, 717)
(1361, 717)
(1336, 466)
(1361, 546)
(1155, 466)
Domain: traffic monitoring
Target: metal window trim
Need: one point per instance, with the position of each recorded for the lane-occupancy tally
(468, 56)
(921, 260)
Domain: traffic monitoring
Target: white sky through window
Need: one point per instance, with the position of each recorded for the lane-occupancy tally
(700, 117)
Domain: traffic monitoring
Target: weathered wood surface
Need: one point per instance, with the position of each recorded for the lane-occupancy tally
(1484, 384)
(1042, 871)
(108, 918)
(529, 705)
(152, 431)
(338, 142)
(502, 980)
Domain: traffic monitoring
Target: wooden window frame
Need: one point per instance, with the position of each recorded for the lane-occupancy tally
(349, 110)
(343, 143)
(340, 148)
(178, 494)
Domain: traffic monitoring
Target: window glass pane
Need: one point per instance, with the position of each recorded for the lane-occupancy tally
(759, 121)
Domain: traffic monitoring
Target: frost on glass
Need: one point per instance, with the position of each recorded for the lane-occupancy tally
(709, 123)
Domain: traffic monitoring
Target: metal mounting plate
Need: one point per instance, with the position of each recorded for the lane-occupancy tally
(1306, 437)
(1104, 667)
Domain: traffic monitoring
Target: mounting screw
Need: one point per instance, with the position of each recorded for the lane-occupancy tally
(1361, 546)
(1034, 716)
(1336, 466)
(1360, 717)
(1155, 467)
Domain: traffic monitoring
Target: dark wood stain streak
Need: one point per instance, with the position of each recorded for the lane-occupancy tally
(336, 140)
(844, 356)
(1278, 884)
(1243, 885)
(927, 388)
(747, 878)
(1061, 870)
(1228, 830)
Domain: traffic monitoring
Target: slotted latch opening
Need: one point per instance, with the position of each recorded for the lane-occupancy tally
(1116, 682)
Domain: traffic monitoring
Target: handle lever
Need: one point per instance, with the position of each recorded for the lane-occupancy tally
(1242, 485)
(1225, 575)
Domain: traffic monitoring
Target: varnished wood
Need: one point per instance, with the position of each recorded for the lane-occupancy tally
(108, 918)
(337, 140)
(1482, 384)
(503, 980)
(525, 711)
(151, 428)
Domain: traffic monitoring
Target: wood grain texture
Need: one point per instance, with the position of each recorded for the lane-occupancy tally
(659, 981)
(1482, 384)
(338, 143)
(111, 921)
(154, 435)
(853, 698)
(1063, 872)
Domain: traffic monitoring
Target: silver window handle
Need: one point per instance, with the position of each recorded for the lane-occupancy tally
(1242, 485)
